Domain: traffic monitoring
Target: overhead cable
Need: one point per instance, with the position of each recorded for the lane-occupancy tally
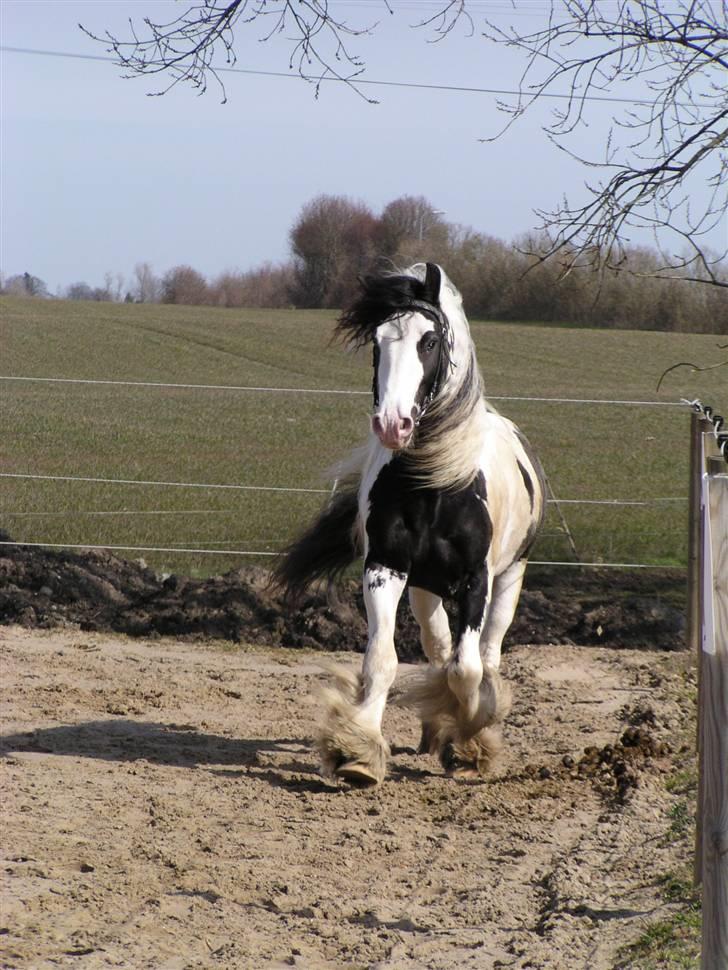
(356, 81)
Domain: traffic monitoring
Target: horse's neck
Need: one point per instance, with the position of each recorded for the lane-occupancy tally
(447, 452)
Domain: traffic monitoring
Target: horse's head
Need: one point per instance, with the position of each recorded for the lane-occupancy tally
(410, 353)
(407, 318)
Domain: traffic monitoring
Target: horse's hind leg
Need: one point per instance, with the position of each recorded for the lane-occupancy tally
(436, 642)
(502, 609)
(464, 699)
(351, 743)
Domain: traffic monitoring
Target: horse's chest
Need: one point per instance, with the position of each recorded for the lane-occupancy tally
(436, 538)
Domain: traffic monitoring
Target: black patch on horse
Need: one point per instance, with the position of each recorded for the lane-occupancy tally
(527, 482)
(439, 539)
(432, 427)
(479, 487)
(428, 351)
(536, 465)
(433, 279)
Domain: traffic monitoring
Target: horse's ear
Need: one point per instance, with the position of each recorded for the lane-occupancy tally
(433, 279)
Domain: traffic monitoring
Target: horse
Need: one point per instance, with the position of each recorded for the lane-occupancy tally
(445, 499)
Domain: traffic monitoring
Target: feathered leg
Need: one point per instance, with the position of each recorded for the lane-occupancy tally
(351, 742)
(436, 640)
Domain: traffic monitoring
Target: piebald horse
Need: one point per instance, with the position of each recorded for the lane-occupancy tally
(445, 500)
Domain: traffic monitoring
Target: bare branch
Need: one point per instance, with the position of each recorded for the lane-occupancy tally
(674, 139)
(669, 56)
(200, 42)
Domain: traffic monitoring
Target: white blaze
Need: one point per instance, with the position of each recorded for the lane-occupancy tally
(400, 372)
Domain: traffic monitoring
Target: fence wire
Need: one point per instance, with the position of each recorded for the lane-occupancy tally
(192, 548)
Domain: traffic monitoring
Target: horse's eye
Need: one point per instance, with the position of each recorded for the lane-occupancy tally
(431, 344)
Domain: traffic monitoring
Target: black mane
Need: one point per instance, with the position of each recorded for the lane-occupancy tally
(385, 296)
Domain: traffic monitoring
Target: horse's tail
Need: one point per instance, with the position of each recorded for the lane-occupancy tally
(330, 544)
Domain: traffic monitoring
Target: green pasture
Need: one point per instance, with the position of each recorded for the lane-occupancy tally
(235, 437)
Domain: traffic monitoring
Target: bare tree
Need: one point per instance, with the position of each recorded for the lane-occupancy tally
(670, 140)
(332, 241)
(147, 288)
(268, 285)
(118, 287)
(183, 284)
(25, 284)
(80, 291)
(670, 132)
(408, 219)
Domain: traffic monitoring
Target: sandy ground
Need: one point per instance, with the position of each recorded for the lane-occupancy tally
(162, 808)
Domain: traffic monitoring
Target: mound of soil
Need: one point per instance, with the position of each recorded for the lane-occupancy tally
(98, 591)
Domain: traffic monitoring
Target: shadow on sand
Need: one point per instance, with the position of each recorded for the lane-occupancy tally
(178, 745)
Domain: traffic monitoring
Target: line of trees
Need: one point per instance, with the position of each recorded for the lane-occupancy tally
(334, 239)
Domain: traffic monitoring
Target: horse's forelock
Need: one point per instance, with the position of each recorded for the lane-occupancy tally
(383, 296)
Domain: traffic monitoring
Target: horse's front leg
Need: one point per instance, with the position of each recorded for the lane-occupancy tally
(351, 744)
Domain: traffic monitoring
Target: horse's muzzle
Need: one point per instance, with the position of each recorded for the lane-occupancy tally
(394, 433)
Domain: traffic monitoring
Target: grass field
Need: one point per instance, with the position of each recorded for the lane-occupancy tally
(286, 439)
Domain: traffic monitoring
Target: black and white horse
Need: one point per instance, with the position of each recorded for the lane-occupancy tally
(445, 500)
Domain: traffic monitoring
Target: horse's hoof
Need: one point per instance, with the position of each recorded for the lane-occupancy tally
(457, 768)
(466, 772)
(353, 753)
(447, 756)
(357, 773)
(471, 758)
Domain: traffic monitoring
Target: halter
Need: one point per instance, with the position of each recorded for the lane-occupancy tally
(444, 353)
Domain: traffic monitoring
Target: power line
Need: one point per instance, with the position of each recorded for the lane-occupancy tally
(613, 501)
(356, 81)
(114, 512)
(603, 565)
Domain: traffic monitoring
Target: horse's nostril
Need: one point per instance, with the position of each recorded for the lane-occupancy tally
(376, 424)
(406, 425)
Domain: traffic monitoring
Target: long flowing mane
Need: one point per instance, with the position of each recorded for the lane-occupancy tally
(447, 442)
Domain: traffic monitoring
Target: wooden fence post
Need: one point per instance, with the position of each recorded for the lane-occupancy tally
(714, 714)
(699, 428)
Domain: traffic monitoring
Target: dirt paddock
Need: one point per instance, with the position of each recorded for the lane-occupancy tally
(162, 808)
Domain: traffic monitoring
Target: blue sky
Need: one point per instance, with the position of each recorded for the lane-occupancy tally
(98, 177)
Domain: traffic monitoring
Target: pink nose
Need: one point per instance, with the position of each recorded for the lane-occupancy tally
(393, 433)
